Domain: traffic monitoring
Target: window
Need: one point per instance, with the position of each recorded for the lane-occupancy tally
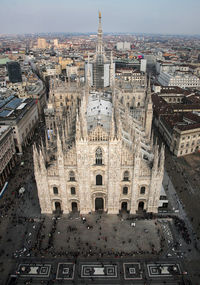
(126, 176)
(125, 190)
(163, 197)
(98, 179)
(55, 190)
(73, 191)
(98, 156)
(142, 190)
(71, 176)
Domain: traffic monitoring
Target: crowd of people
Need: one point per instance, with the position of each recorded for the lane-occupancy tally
(76, 247)
(180, 224)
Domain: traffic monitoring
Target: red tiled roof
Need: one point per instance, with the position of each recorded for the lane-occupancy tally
(177, 121)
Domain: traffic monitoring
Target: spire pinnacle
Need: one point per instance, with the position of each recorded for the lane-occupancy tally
(100, 44)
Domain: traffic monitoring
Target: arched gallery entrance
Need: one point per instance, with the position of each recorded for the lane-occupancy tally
(124, 206)
(74, 207)
(57, 207)
(141, 206)
(99, 204)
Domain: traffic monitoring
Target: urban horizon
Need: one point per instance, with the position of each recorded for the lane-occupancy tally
(95, 34)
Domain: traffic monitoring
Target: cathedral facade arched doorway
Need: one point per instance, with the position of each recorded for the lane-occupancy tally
(74, 207)
(141, 206)
(99, 204)
(58, 209)
(124, 206)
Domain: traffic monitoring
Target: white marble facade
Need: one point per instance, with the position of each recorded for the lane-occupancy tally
(97, 154)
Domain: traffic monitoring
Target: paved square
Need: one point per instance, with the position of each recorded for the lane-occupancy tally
(132, 271)
(99, 271)
(65, 271)
(34, 270)
(163, 270)
(108, 233)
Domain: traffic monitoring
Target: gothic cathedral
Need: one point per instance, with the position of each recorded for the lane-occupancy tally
(99, 152)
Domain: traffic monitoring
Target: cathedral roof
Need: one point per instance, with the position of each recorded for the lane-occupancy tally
(99, 110)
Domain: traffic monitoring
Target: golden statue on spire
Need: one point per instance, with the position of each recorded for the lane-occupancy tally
(99, 14)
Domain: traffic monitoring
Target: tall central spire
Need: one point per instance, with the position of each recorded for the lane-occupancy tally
(100, 43)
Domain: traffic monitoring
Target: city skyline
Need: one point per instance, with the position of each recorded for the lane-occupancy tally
(152, 16)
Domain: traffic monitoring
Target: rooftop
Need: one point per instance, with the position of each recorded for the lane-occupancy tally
(182, 121)
(13, 108)
(99, 110)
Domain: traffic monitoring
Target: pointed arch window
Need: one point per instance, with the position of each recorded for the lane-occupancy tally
(99, 156)
(126, 176)
(55, 190)
(73, 191)
(142, 190)
(99, 179)
(71, 176)
(125, 190)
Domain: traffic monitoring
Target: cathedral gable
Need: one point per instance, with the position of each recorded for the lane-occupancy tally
(98, 134)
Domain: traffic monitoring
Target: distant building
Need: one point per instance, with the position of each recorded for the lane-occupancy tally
(14, 72)
(131, 75)
(71, 71)
(55, 42)
(42, 43)
(143, 65)
(123, 46)
(165, 67)
(170, 67)
(65, 61)
(179, 79)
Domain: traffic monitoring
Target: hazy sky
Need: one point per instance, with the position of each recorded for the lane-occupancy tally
(137, 16)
